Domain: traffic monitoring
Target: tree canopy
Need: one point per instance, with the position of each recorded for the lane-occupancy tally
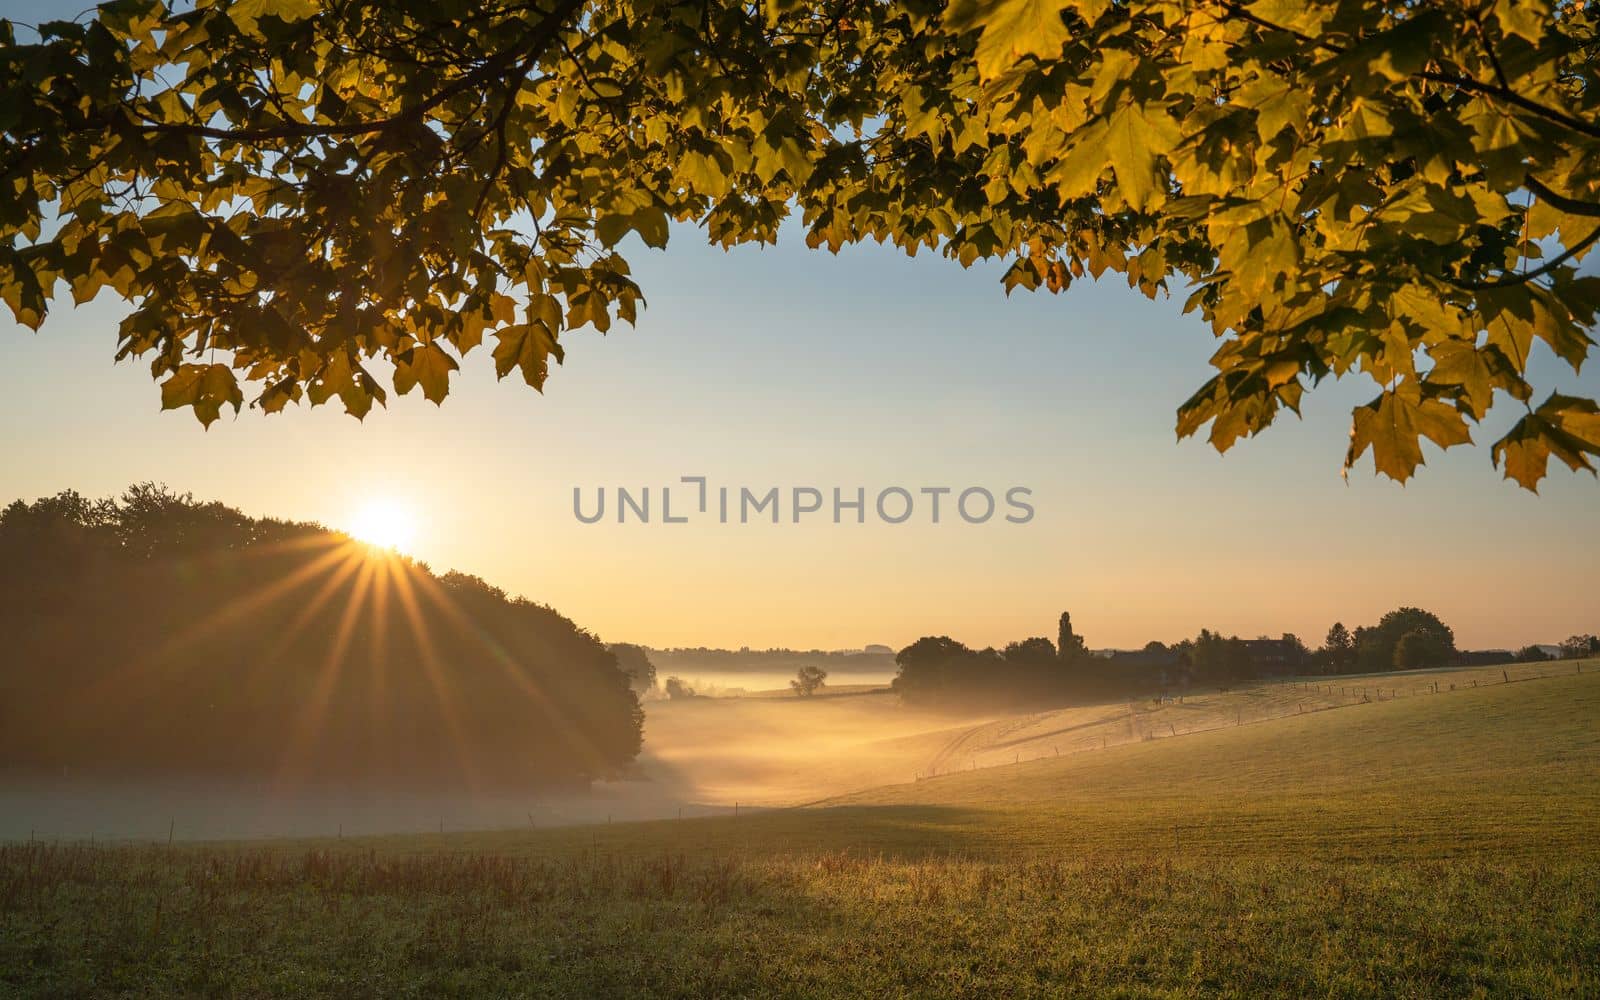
(1405, 638)
(311, 198)
(152, 634)
(634, 661)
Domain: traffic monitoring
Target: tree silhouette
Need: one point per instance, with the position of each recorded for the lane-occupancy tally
(1377, 647)
(1069, 645)
(808, 680)
(154, 634)
(1578, 646)
(1338, 649)
(634, 662)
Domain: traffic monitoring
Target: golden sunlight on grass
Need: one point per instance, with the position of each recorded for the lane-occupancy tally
(385, 523)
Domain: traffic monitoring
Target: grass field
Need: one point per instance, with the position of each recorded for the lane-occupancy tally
(1422, 845)
(709, 753)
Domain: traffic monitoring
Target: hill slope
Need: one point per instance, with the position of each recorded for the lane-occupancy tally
(1503, 770)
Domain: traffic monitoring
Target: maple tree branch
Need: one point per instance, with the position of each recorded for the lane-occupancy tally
(1571, 206)
(1510, 96)
(499, 157)
(500, 65)
(1467, 83)
(1524, 277)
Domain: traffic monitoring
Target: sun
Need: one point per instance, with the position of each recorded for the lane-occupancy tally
(384, 523)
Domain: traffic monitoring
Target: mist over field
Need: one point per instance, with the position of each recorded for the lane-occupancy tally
(702, 756)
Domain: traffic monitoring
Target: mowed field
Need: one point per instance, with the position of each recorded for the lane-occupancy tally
(1422, 845)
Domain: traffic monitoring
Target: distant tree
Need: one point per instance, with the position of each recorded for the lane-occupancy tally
(1338, 649)
(1155, 647)
(808, 680)
(1532, 654)
(1215, 660)
(677, 689)
(1069, 645)
(1419, 648)
(1298, 655)
(1576, 647)
(937, 669)
(1376, 646)
(635, 663)
(929, 668)
(1031, 652)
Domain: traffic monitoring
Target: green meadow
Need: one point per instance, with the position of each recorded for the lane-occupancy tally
(1427, 845)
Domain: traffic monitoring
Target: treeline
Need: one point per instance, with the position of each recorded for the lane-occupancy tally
(155, 635)
(939, 670)
(1574, 647)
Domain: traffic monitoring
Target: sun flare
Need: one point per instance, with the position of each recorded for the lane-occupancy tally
(385, 524)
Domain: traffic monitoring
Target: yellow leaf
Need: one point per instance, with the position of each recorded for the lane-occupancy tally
(1017, 28)
(1134, 140)
(1394, 424)
(428, 366)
